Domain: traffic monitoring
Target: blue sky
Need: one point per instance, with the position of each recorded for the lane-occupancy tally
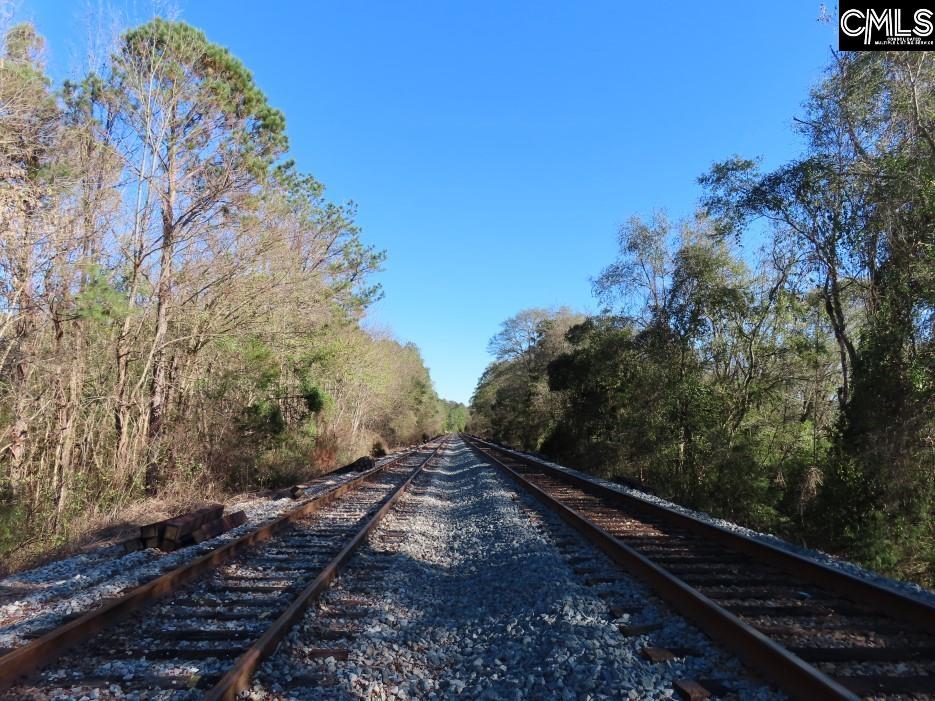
(494, 148)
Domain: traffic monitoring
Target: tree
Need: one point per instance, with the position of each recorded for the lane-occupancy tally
(859, 204)
(32, 238)
(182, 306)
(206, 135)
(456, 418)
(512, 397)
(791, 389)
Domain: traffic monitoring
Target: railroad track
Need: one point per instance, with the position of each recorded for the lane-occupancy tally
(200, 631)
(814, 631)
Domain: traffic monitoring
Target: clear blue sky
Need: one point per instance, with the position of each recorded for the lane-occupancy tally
(494, 147)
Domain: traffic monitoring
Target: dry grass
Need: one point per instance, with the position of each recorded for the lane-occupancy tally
(98, 529)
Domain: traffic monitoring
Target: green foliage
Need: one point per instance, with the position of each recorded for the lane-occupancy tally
(512, 401)
(183, 308)
(315, 399)
(176, 52)
(345, 260)
(98, 300)
(796, 398)
(285, 463)
(456, 418)
(264, 417)
(262, 362)
(12, 518)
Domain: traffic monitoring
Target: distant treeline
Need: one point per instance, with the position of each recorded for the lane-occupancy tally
(180, 304)
(770, 359)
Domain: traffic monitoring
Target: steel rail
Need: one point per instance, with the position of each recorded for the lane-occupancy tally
(22, 661)
(881, 599)
(786, 670)
(238, 677)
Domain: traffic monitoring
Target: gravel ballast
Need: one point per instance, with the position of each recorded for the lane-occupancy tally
(467, 590)
(65, 588)
(909, 588)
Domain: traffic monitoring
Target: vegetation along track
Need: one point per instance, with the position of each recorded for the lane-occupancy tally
(206, 626)
(816, 632)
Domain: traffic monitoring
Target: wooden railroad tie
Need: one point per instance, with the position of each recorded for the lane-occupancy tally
(691, 690)
(187, 529)
(632, 631)
(662, 654)
(218, 526)
(700, 689)
(323, 653)
(868, 685)
(176, 529)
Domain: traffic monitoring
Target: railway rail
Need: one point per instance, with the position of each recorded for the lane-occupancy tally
(206, 626)
(814, 631)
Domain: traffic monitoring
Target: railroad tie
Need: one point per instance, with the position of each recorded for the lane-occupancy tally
(869, 685)
(664, 654)
(322, 653)
(642, 629)
(862, 654)
(690, 690)
(700, 689)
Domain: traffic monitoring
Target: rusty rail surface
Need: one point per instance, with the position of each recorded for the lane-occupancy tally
(22, 661)
(788, 671)
(238, 677)
(884, 600)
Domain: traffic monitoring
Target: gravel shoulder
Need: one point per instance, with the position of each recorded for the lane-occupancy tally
(466, 590)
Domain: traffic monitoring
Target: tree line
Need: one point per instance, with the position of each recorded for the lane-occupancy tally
(786, 385)
(181, 305)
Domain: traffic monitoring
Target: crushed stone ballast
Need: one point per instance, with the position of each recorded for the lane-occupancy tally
(470, 589)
